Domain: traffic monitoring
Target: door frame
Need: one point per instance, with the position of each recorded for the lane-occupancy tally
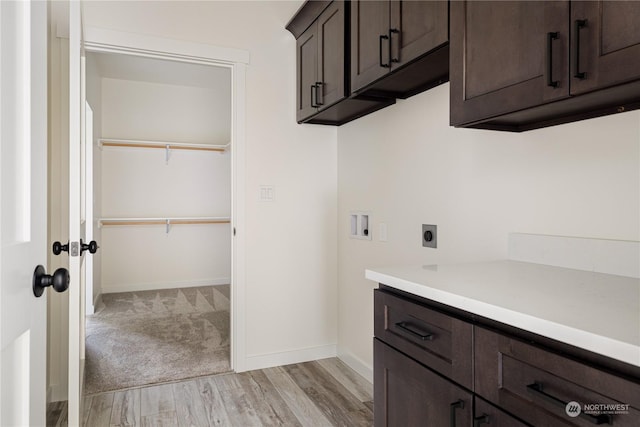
(109, 41)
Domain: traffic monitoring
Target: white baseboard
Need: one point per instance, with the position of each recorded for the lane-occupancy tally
(357, 365)
(132, 287)
(262, 361)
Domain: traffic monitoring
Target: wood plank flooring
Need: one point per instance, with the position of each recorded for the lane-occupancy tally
(316, 394)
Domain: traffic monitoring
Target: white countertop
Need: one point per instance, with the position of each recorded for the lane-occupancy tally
(594, 311)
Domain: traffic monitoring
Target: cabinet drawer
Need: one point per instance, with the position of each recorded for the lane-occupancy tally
(540, 386)
(485, 413)
(437, 340)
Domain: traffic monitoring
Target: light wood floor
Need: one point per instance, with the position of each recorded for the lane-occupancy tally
(320, 393)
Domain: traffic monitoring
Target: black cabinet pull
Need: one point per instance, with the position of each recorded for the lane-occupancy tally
(313, 92)
(406, 327)
(458, 404)
(550, 38)
(382, 37)
(318, 85)
(538, 389)
(579, 24)
(393, 31)
(482, 419)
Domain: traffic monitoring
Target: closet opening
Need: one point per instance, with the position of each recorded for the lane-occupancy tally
(158, 300)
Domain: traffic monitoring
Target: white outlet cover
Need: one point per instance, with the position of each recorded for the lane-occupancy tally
(382, 232)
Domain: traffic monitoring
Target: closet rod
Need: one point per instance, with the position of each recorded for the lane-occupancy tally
(160, 221)
(159, 144)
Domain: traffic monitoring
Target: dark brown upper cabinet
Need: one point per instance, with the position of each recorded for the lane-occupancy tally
(322, 58)
(320, 62)
(399, 48)
(523, 65)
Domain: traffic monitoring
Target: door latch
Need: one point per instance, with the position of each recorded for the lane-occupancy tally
(74, 248)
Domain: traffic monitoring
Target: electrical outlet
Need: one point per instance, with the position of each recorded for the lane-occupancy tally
(429, 236)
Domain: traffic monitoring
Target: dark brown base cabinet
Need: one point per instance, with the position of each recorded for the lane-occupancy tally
(520, 65)
(408, 394)
(435, 365)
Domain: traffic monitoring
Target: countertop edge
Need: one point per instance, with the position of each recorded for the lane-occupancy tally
(599, 344)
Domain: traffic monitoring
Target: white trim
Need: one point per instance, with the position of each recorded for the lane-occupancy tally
(357, 365)
(152, 286)
(238, 197)
(262, 361)
(101, 40)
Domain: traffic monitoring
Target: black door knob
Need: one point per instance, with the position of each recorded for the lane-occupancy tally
(59, 281)
(92, 247)
(58, 248)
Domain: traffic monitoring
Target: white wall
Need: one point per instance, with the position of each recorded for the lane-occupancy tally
(166, 112)
(408, 167)
(291, 262)
(140, 183)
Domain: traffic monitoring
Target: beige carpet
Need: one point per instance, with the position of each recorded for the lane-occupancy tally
(148, 337)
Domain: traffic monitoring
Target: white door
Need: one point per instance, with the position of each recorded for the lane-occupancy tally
(23, 214)
(76, 226)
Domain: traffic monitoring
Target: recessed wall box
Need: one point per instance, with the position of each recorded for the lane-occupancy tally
(360, 225)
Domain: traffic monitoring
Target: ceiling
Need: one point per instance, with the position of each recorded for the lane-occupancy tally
(138, 68)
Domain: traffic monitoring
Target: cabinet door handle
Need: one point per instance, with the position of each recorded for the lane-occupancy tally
(318, 85)
(382, 37)
(407, 328)
(313, 93)
(550, 38)
(393, 31)
(579, 24)
(458, 404)
(482, 419)
(538, 389)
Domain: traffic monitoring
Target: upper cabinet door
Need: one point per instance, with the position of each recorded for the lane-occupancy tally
(331, 48)
(417, 27)
(306, 70)
(606, 44)
(506, 57)
(370, 57)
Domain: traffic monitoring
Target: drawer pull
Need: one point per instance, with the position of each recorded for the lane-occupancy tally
(458, 404)
(482, 419)
(538, 389)
(407, 328)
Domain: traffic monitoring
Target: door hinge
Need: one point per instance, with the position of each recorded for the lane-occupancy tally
(74, 248)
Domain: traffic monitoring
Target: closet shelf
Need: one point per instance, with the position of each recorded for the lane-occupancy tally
(167, 222)
(165, 145)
